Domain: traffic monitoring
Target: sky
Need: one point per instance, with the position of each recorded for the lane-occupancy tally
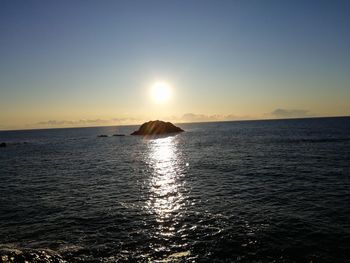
(91, 63)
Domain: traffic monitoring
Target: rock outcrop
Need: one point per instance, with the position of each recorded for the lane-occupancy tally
(157, 128)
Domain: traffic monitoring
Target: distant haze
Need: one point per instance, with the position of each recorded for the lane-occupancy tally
(92, 63)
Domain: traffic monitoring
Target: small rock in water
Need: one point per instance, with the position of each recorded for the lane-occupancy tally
(2, 144)
(102, 135)
(118, 135)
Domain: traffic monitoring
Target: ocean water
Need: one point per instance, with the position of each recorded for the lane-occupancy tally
(254, 191)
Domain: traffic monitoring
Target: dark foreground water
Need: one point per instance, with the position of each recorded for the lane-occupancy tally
(257, 191)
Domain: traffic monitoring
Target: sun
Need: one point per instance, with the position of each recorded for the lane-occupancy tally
(161, 92)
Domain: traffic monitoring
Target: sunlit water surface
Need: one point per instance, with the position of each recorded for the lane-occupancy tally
(260, 191)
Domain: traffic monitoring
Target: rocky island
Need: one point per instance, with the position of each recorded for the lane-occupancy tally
(157, 128)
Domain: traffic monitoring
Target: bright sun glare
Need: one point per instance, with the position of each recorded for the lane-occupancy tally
(161, 92)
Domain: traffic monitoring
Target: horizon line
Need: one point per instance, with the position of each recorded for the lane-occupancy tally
(123, 125)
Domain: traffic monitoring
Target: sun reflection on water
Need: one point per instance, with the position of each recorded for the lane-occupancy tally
(165, 196)
(166, 200)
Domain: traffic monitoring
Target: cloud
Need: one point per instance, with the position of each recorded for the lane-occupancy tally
(192, 117)
(289, 113)
(65, 123)
(188, 117)
(83, 122)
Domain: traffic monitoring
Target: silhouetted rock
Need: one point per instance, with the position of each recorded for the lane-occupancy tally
(2, 144)
(118, 135)
(102, 135)
(157, 128)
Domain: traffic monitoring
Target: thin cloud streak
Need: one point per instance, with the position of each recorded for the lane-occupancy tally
(192, 117)
(187, 117)
(84, 123)
(290, 113)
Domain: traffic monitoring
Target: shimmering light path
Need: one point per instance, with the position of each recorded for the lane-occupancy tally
(167, 191)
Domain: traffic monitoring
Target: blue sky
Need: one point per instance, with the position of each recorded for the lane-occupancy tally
(96, 60)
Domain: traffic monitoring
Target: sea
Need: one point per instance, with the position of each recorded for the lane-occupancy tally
(242, 191)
